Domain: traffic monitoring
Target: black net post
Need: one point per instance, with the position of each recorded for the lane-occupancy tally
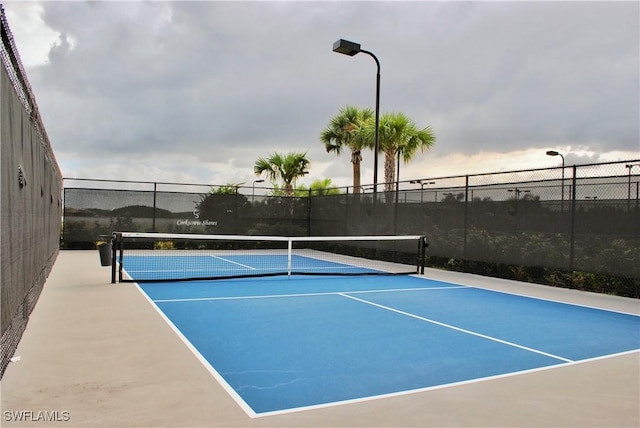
(114, 253)
(422, 254)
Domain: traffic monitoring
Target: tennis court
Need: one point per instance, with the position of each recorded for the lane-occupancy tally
(281, 344)
(103, 353)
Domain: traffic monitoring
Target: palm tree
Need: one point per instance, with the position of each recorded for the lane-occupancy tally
(346, 129)
(399, 134)
(287, 167)
(323, 187)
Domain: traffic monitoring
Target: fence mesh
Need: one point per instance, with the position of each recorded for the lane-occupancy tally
(31, 204)
(530, 223)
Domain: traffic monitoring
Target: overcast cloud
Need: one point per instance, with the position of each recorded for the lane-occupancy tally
(197, 91)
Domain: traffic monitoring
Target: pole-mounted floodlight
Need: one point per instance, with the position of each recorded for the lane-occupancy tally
(253, 189)
(555, 153)
(518, 191)
(350, 48)
(421, 183)
(346, 47)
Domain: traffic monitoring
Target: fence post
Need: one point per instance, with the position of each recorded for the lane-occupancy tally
(395, 209)
(572, 229)
(464, 238)
(309, 212)
(63, 242)
(155, 190)
(346, 212)
(637, 210)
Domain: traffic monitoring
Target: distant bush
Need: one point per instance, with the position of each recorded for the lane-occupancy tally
(164, 245)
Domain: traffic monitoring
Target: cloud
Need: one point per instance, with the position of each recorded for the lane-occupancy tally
(35, 37)
(199, 90)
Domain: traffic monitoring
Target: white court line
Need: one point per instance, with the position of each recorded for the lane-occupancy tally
(216, 375)
(231, 261)
(436, 387)
(252, 414)
(473, 333)
(328, 293)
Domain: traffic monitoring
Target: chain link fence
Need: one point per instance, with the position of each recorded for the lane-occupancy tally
(575, 226)
(31, 204)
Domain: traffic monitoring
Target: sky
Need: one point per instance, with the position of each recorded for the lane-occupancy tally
(196, 92)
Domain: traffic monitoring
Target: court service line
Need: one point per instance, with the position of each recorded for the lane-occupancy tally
(462, 330)
(327, 293)
(231, 261)
(403, 289)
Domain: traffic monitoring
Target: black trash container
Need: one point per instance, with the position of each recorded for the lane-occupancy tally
(105, 253)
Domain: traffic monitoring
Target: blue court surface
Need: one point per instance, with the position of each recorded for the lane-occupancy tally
(282, 344)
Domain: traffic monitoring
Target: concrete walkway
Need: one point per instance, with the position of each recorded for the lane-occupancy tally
(98, 355)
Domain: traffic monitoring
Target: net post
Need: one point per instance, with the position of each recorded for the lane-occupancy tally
(120, 241)
(423, 244)
(114, 252)
(289, 253)
(419, 255)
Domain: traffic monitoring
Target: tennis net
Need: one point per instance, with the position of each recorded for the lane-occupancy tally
(145, 257)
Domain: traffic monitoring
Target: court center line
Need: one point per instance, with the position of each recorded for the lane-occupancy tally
(462, 330)
(328, 293)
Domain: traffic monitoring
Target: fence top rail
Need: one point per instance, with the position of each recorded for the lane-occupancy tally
(449, 177)
(480, 174)
(106, 180)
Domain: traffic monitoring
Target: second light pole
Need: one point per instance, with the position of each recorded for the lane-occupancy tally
(555, 153)
(350, 48)
(253, 189)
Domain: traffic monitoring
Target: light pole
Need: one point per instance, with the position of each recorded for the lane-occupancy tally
(421, 183)
(513, 210)
(629, 167)
(253, 189)
(555, 153)
(350, 48)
